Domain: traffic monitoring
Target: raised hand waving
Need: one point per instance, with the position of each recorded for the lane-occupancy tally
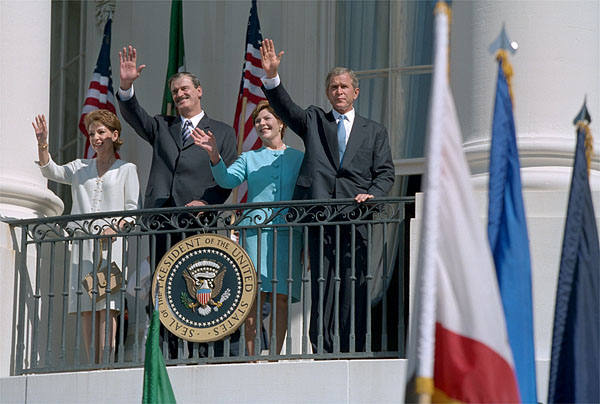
(128, 69)
(270, 59)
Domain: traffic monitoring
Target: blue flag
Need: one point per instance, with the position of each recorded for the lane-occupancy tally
(507, 234)
(574, 363)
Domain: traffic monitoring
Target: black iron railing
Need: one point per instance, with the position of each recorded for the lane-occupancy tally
(54, 334)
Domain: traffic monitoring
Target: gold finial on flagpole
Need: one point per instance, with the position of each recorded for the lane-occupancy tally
(582, 122)
(502, 46)
(442, 7)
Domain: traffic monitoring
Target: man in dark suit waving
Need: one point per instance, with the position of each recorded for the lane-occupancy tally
(347, 156)
(180, 174)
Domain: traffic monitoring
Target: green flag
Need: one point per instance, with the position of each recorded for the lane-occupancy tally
(157, 386)
(176, 54)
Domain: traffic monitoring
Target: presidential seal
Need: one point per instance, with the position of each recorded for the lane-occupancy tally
(206, 285)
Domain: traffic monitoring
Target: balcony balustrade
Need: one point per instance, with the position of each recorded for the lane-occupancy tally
(50, 339)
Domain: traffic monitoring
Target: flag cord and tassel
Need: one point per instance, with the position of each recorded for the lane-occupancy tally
(589, 143)
(502, 57)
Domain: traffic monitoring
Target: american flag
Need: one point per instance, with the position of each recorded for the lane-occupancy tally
(100, 94)
(250, 92)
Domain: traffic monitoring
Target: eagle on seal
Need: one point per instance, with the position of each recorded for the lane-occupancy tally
(204, 281)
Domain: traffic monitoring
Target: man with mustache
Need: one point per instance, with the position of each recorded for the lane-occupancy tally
(180, 174)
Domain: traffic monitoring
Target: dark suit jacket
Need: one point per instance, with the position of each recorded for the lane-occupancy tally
(182, 173)
(367, 166)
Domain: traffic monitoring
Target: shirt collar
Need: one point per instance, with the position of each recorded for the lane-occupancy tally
(349, 115)
(195, 119)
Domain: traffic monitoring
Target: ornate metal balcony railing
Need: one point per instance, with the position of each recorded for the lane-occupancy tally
(50, 339)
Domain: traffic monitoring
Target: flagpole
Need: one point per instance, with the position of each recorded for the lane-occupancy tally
(424, 398)
(250, 93)
(240, 139)
(176, 54)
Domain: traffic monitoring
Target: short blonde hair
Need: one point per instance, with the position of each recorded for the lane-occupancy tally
(108, 119)
(264, 104)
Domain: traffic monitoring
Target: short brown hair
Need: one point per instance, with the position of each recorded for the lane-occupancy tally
(337, 71)
(108, 119)
(264, 104)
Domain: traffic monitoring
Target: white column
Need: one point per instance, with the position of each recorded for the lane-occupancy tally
(25, 81)
(24, 84)
(556, 65)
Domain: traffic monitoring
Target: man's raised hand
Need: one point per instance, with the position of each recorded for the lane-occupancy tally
(128, 69)
(270, 59)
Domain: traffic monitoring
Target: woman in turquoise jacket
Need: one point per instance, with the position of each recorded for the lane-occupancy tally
(271, 174)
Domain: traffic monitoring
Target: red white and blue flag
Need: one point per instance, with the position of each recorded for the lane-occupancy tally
(250, 93)
(100, 94)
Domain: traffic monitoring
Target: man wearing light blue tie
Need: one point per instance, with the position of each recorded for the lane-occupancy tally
(346, 156)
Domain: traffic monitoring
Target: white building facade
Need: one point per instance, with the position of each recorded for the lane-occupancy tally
(49, 50)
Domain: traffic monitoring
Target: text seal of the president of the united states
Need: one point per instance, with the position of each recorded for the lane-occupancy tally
(205, 285)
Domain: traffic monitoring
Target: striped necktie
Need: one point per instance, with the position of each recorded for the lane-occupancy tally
(187, 131)
(341, 134)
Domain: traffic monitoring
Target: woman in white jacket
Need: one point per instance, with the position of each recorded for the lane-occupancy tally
(100, 184)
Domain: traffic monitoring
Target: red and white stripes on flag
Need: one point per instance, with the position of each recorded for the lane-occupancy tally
(100, 93)
(458, 348)
(250, 93)
(203, 296)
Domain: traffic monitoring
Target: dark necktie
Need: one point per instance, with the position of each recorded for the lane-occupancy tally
(187, 131)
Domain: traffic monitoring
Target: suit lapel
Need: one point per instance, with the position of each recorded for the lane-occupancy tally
(331, 139)
(175, 131)
(355, 140)
(204, 124)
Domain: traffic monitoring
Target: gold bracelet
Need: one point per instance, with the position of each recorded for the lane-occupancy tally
(43, 146)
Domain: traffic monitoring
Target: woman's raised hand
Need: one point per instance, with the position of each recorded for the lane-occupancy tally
(207, 141)
(40, 128)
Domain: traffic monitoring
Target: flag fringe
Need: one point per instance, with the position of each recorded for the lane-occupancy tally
(424, 385)
(441, 397)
